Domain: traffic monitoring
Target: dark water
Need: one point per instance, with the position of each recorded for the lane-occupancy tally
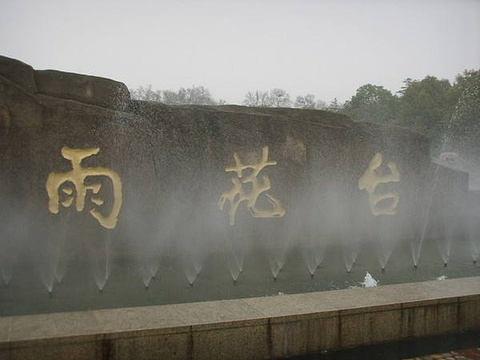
(26, 294)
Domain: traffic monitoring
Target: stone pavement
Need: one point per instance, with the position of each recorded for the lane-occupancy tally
(468, 354)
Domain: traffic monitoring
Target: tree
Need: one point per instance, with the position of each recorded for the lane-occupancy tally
(335, 106)
(280, 98)
(426, 106)
(146, 93)
(321, 105)
(465, 81)
(305, 102)
(258, 99)
(406, 84)
(449, 115)
(195, 95)
(463, 128)
(171, 97)
(372, 103)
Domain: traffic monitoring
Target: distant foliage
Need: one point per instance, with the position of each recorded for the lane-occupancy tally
(305, 102)
(258, 99)
(463, 128)
(146, 93)
(281, 99)
(200, 95)
(373, 104)
(195, 95)
(335, 106)
(426, 106)
(446, 113)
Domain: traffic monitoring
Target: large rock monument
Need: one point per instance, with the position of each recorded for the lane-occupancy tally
(80, 160)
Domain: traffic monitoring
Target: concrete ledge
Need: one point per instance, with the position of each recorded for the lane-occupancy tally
(256, 328)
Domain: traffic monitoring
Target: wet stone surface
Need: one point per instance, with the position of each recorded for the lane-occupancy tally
(467, 354)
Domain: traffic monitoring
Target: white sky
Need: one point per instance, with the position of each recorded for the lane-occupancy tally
(327, 48)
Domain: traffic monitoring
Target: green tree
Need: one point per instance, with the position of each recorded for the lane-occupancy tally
(335, 106)
(372, 103)
(463, 129)
(465, 81)
(426, 106)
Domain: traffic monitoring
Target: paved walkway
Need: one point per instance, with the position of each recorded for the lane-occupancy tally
(467, 354)
(466, 345)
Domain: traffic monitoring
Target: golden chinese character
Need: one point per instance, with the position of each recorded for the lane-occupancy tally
(371, 179)
(76, 177)
(237, 194)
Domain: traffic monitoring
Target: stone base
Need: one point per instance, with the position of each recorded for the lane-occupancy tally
(256, 328)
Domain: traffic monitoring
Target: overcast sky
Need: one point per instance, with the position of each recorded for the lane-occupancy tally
(326, 48)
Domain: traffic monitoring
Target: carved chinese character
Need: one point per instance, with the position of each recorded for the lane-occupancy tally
(237, 194)
(75, 180)
(371, 179)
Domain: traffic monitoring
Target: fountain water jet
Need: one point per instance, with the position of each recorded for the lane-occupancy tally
(234, 252)
(102, 264)
(351, 249)
(274, 268)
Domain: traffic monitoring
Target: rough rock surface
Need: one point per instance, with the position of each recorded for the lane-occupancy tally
(175, 156)
(19, 73)
(91, 90)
